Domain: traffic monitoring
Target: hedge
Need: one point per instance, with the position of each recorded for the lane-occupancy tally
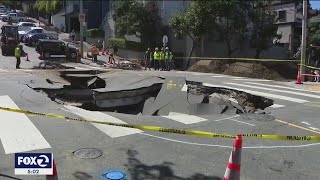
(93, 33)
(124, 44)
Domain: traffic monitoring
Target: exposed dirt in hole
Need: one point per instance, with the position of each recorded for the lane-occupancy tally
(263, 70)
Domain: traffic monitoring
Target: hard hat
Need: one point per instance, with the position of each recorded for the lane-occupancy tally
(157, 49)
(167, 48)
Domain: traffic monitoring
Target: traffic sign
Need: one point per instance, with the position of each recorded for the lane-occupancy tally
(165, 40)
(82, 17)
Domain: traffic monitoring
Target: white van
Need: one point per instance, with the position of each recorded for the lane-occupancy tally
(14, 17)
(24, 26)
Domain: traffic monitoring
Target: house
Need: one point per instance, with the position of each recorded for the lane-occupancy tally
(289, 21)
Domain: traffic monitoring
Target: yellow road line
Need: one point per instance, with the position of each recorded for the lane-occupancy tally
(297, 126)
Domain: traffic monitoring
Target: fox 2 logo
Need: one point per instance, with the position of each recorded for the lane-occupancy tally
(33, 160)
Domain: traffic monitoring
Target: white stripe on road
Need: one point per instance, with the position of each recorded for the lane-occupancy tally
(242, 122)
(261, 93)
(184, 88)
(313, 128)
(184, 118)
(235, 77)
(276, 90)
(218, 76)
(80, 68)
(283, 87)
(277, 106)
(112, 131)
(17, 132)
(303, 122)
(247, 79)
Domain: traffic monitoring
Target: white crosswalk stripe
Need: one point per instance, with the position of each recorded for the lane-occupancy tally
(276, 90)
(259, 93)
(184, 118)
(282, 87)
(111, 131)
(17, 132)
(277, 106)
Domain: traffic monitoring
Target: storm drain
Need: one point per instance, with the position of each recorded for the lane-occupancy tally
(87, 153)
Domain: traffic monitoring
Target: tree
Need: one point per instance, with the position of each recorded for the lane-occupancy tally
(231, 19)
(46, 7)
(129, 16)
(263, 29)
(314, 33)
(140, 20)
(194, 23)
(13, 4)
(151, 23)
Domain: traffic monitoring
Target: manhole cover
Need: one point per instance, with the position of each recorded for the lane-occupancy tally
(114, 175)
(87, 153)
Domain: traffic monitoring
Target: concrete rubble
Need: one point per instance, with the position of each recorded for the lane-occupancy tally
(147, 95)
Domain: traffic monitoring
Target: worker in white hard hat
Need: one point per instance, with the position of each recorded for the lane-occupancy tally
(168, 59)
(156, 58)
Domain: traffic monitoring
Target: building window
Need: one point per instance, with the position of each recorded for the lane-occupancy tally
(282, 16)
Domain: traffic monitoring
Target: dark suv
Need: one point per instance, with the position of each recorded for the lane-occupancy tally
(51, 47)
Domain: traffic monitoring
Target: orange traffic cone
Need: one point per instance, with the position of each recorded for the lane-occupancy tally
(299, 77)
(27, 58)
(54, 175)
(233, 167)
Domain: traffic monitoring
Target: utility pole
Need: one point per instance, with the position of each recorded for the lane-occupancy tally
(304, 38)
(81, 29)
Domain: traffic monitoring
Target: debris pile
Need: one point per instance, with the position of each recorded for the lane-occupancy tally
(245, 69)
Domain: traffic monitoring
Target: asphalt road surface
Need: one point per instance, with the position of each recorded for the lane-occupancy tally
(144, 155)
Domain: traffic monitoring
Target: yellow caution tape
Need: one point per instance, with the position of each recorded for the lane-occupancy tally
(241, 59)
(215, 58)
(278, 137)
(311, 67)
(141, 127)
(170, 130)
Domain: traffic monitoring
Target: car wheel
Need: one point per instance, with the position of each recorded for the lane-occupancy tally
(33, 43)
(73, 55)
(4, 19)
(47, 55)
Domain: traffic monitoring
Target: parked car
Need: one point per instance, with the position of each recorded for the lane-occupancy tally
(32, 39)
(49, 47)
(37, 30)
(33, 30)
(17, 17)
(25, 26)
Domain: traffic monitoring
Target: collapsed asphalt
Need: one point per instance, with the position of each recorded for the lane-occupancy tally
(147, 95)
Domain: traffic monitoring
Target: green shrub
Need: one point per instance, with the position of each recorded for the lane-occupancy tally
(94, 33)
(117, 42)
(123, 44)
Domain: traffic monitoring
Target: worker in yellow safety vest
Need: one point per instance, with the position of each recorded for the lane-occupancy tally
(17, 54)
(156, 58)
(162, 61)
(168, 58)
